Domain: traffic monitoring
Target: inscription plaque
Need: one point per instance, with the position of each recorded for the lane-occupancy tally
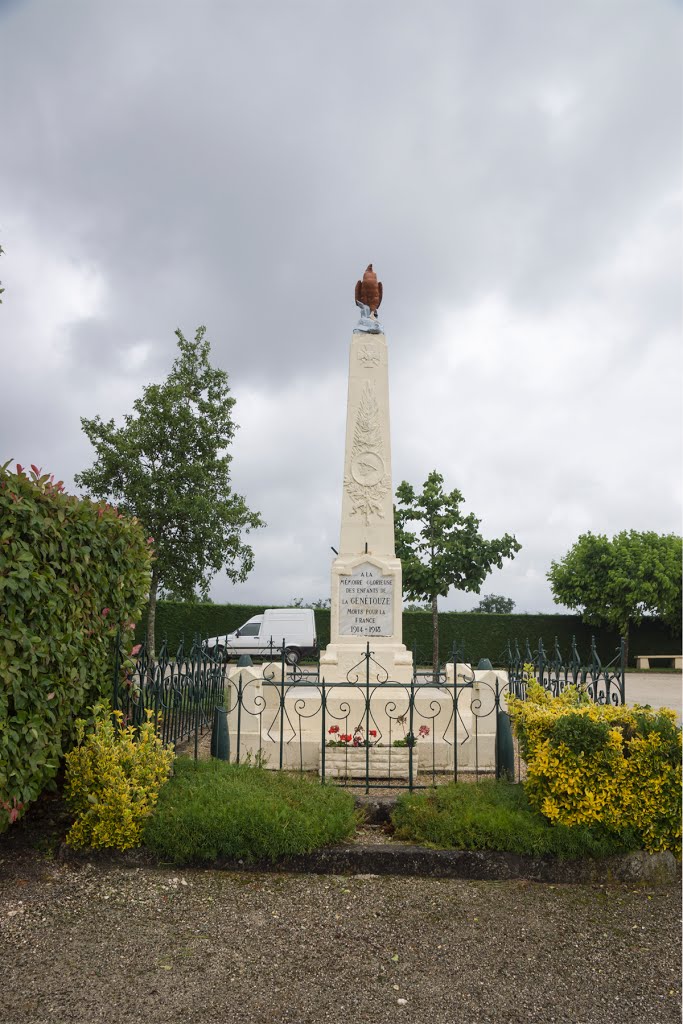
(366, 602)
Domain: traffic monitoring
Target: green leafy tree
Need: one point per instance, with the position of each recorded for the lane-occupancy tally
(441, 548)
(320, 603)
(196, 598)
(618, 581)
(494, 604)
(168, 464)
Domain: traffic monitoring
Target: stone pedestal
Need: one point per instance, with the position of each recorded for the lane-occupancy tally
(281, 724)
(246, 702)
(366, 591)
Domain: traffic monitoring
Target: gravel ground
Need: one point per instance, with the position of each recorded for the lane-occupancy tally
(101, 942)
(105, 943)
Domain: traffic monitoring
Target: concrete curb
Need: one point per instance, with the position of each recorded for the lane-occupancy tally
(660, 869)
(486, 865)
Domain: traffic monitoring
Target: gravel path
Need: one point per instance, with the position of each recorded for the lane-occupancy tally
(102, 943)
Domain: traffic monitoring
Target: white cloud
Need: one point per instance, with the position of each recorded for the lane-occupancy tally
(48, 292)
(512, 170)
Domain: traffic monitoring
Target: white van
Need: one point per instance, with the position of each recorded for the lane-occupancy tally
(264, 635)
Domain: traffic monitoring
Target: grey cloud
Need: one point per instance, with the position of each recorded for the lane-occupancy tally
(238, 166)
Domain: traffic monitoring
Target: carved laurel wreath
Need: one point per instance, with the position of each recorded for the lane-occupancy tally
(367, 498)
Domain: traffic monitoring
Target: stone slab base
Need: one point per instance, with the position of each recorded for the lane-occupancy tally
(345, 662)
(383, 763)
(303, 754)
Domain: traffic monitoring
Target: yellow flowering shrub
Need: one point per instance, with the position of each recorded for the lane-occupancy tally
(113, 778)
(605, 764)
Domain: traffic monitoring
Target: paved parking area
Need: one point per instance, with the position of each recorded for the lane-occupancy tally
(660, 689)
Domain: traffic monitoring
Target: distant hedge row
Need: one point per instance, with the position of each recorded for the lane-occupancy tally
(483, 636)
(486, 636)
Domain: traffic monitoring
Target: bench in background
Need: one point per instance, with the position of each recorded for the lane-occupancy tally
(659, 661)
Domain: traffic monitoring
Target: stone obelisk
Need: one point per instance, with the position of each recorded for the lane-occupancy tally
(367, 604)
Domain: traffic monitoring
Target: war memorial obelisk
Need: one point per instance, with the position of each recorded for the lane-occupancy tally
(367, 605)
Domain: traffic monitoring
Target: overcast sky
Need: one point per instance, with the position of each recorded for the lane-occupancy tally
(512, 170)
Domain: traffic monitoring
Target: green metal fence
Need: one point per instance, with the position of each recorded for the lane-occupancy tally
(368, 731)
(180, 691)
(602, 683)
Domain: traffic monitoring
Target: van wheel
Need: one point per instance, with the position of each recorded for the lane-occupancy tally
(292, 655)
(218, 652)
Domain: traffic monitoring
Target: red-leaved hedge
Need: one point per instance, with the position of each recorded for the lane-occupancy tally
(72, 572)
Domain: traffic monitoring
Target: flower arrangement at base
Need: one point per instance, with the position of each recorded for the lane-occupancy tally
(410, 739)
(355, 756)
(358, 739)
(354, 739)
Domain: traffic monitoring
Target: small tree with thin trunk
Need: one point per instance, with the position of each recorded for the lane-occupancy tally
(617, 581)
(441, 548)
(169, 465)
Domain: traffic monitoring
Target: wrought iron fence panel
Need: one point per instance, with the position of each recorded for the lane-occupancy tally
(366, 731)
(555, 672)
(179, 692)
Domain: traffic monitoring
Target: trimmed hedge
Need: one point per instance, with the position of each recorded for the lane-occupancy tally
(483, 635)
(72, 572)
(603, 765)
(486, 636)
(179, 620)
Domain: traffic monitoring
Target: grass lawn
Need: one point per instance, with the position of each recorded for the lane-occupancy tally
(210, 810)
(495, 816)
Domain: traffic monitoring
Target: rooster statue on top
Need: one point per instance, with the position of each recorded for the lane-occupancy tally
(369, 291)
(368, 298)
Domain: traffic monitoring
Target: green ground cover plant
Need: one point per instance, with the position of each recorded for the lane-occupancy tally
(494, 815)
(211, 810)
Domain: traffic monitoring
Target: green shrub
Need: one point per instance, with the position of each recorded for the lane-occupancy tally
(211, 809)
(113, 778)
(602, 764)
(72, 572)
(495, 816)
(580, 734)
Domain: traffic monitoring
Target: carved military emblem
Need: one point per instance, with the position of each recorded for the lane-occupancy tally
(367, 469)
(368, 356)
